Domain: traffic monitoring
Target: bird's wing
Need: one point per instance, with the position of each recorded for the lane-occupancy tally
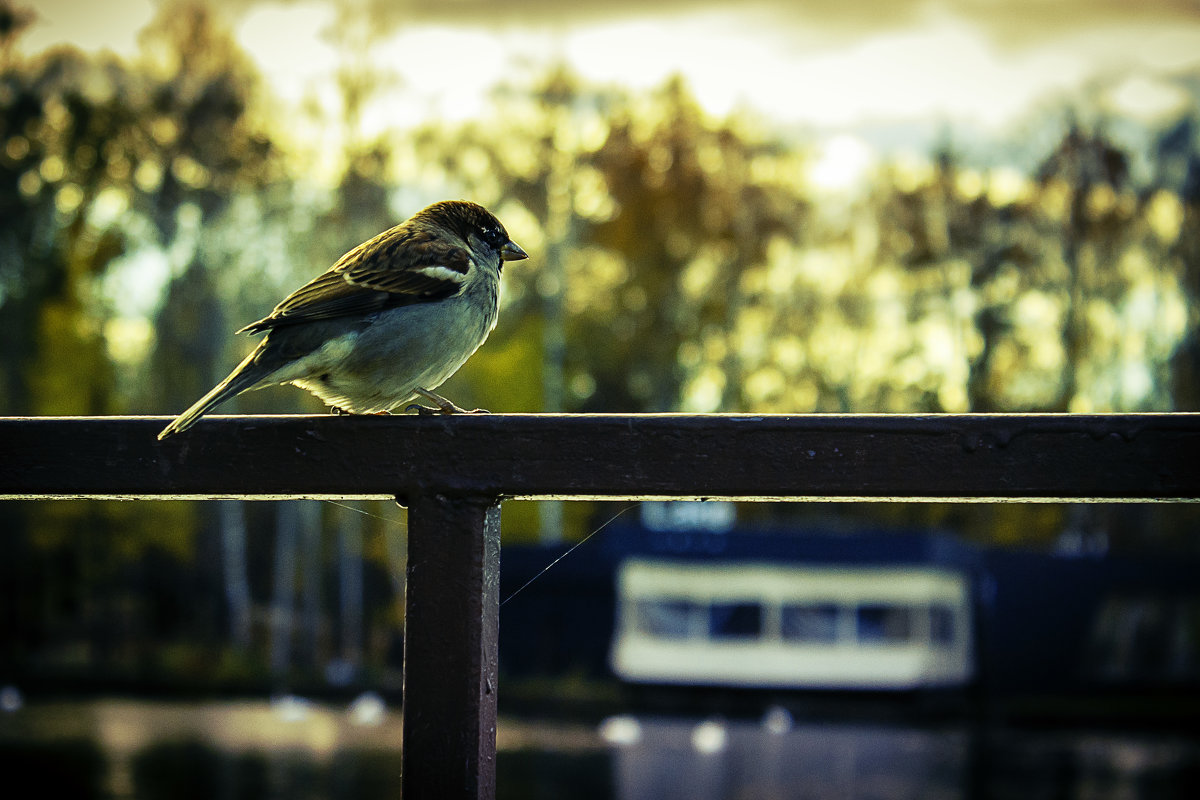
(397, 267)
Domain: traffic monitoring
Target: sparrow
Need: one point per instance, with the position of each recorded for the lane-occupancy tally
(391, 320)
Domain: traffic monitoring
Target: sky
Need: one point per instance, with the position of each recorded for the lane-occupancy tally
(829, 62)
(828, 65)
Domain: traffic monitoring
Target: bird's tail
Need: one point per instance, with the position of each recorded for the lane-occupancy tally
(243, 377)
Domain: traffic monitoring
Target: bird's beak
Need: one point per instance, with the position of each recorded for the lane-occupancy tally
(512, 252)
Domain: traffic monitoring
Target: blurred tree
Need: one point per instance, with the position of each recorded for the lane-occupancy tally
(695, 206)
(654, 213)
(13, 21)
(100, 161)
(210, 150)
(1093, 173)
(204, 148)
(1179, 157)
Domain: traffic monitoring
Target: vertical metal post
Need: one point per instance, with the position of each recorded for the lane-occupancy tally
(451, 630)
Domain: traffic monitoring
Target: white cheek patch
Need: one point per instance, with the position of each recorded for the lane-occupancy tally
(441, 273)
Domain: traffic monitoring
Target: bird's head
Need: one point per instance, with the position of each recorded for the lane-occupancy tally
(477, 226)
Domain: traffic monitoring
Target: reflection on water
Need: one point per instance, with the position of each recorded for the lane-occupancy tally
(714, 759)
(197, 771)
(662, 759)
(147, 751)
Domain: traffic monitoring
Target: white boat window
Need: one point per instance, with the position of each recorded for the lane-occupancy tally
(735, 620)
(884, 624)
(667, 619)
(809, 623)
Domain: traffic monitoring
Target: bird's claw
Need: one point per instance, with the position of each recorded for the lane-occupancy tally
(444, 406)
(426, 411)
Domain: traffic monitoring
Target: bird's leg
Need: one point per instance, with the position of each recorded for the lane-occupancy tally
(444, 406)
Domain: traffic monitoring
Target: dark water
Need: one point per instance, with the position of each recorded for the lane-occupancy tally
(148, 752)
(698, 761)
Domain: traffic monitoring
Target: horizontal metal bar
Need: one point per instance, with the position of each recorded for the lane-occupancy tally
(1028, 457)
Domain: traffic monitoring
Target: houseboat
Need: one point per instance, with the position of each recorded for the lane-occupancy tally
(793, 626)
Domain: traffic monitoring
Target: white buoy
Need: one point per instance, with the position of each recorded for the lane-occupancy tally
(621, 731)
(710, 737)
(368, 710)
(777, 720)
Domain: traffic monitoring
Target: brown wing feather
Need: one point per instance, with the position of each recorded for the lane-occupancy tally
(398, 267)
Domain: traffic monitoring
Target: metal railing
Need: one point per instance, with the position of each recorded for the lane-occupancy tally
(453, 472)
